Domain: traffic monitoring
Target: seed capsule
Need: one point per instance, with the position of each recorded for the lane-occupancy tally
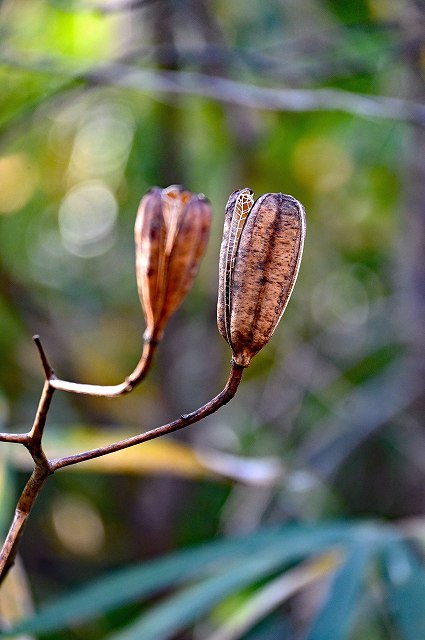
(171, 234)
(259, 262)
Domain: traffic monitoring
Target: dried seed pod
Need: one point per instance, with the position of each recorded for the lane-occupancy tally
(149, 234)
(186, 254)
(171, 234)
(259, 262)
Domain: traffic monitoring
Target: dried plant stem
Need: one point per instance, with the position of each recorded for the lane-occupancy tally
(43, 467)
(22, 511)
(106, 391)
(184, 421)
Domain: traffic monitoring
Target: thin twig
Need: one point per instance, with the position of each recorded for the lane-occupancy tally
(17, 438)
(48, 371)
(36, 433)
(184, 421)
(105, 391)
(44, 467)
(33, 440)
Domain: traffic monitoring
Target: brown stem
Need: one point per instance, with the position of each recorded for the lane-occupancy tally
(19, 438)
(106, 391)
(22, 511)
(43, 467)
(185, 420)
(36, 433)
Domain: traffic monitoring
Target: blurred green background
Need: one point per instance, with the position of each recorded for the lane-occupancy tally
(321, 99)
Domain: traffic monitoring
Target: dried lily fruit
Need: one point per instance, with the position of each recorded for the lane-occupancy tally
(259, 262)
(171, 233)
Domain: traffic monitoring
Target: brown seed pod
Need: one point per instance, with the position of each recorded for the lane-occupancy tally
(149, 234)
(259, 262)
(186, 254)
(171, 234)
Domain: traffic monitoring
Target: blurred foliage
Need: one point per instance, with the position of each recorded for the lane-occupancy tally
(328, 423)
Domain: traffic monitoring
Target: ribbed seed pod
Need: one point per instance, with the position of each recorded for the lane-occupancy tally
(186, 254)
(259, 262)
(171, 234)
(150, 234)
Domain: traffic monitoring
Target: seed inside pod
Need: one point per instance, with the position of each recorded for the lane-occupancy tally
(259, 262)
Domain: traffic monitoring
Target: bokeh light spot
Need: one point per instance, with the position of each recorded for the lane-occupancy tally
(87, 218)
(340, 297)
(78, 525)
(18, 180)
(321, 164)
(103, 142)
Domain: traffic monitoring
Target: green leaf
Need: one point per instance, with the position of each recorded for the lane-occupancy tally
(268, 597)
(405, 582)
(128, 585)
(183, 608)
(273, 627)
(125, 586)
(336, 616)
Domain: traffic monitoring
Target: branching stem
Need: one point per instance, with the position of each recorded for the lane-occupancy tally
(43, 467)
(105, 391)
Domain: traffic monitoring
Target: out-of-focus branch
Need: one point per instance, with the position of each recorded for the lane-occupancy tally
(371, 406)
(228, 91)
(114, 6)
(256, 97)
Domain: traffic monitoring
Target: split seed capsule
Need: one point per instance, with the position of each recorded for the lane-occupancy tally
(171, 235)
(259, 262)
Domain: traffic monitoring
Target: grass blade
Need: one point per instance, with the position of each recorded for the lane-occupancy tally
(183, 608)
(336, 616)
(127, 585)
(405, 582)
(273, 594)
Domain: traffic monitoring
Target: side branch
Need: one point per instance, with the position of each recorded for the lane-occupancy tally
(33, 441)
(43, 467)
(184, 421)
(106, 391)
(19, 438)
(42, 470)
